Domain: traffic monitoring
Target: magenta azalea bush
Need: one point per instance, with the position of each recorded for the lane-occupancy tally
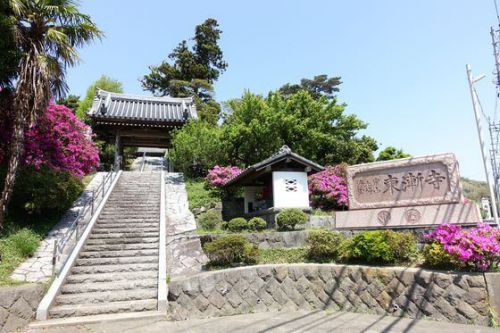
(219, 175)
(328, 189)
(475, 248)
(59, 141)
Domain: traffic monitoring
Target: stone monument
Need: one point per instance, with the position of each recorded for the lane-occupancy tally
(410, 192)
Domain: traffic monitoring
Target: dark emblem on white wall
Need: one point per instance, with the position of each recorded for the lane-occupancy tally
(412, 215)
(291, 185)
(384, 216)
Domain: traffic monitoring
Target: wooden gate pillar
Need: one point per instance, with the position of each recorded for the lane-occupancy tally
(118, 152)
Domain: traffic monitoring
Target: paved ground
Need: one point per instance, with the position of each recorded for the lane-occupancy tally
(184, 253)
(38, 268)
(150, 163)
(319, 321)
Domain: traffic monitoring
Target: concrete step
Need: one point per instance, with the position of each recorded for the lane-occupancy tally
(114, 268)
(112, 241)
(95, 309)
(116, 261)
(106, 296)
(75, 288)
(132, 207)
(111, 277)
(130, 212)
(120, 247)
(146, 193)
(123, 228)
(137, 198)
(128, 215)
(138, 233)
(133, 221)
(121, 216)
(121, 253)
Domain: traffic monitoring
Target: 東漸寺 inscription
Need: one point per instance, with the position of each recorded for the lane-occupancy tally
(415, 181)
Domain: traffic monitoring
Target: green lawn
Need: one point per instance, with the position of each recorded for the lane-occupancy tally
(19, 240)
(197, 194)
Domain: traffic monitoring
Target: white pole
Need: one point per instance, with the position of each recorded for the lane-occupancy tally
(481, 141)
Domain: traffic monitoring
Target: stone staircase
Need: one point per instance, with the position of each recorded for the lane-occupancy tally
(117, 269)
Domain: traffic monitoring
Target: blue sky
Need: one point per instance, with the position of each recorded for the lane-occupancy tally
(402, 63)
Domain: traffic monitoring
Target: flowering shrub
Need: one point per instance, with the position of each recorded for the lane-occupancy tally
(475, 248)
(328, 189)
(219, 175)
(60, 141)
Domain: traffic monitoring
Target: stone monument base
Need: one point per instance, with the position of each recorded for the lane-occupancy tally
(411, 216)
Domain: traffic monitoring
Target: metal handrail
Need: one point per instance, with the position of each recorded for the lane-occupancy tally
(63, 245)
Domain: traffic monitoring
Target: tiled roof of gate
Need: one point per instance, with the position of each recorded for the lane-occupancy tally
(124, 107)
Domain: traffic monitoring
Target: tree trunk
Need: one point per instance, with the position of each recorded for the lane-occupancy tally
(17, 149)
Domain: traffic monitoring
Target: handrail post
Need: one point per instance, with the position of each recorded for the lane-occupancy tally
(104, 185)
(92, 207)
(54, 258)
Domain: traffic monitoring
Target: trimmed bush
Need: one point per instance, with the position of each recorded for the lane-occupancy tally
(231, 250)
(257, 223)
(435, 256)
(288, 218)
(237, 224)
(209, 220)
(324, 245)
(381, 246)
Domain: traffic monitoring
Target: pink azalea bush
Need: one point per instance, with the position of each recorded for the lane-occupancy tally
(219, 175)
(59, 140)
(475, 248)
(328, 189)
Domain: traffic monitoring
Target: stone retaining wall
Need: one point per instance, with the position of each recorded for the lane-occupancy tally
(321, 221)
(269, 240)
(409, 292)
(18, 305)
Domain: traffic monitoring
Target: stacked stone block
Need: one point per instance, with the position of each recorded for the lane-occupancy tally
(409, 292)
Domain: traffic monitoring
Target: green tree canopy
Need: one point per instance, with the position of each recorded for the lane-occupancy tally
(192, 71)
(318, 86)
(317, 129)
(104, 83)
(71, 101)
(198, 146)
(255, 127)
(392, 153)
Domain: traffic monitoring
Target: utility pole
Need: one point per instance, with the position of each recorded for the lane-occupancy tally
(474, 97)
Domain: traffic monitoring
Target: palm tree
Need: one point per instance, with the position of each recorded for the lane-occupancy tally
(47, 33)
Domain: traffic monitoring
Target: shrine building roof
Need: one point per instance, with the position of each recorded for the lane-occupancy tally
(284, 159)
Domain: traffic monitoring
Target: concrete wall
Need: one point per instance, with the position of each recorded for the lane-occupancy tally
(18, 305)
(290, 189)
(409, 292)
